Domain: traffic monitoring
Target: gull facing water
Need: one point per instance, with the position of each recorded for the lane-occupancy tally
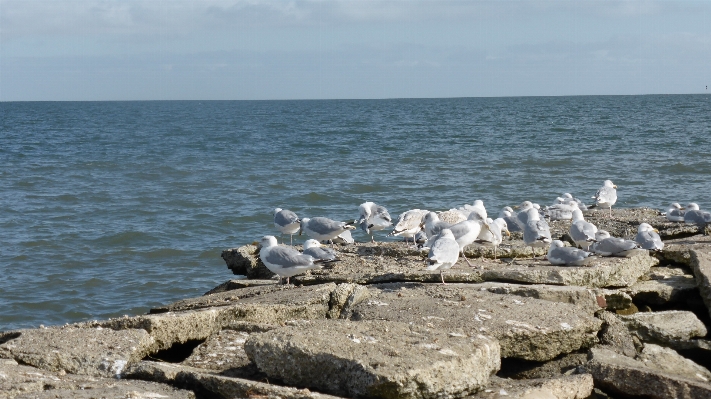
(286, 222)
(606, 196)
(443, 254)
(285, 261)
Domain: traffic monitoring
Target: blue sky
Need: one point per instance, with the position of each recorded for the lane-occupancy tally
(235, 50)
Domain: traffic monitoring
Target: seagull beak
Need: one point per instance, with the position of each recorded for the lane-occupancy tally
(255, 243)
(614, 186)
(656, 231)
(682, 208)
(516, 207)
(508, 233)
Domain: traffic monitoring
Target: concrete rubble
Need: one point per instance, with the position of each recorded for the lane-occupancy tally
(377, 324)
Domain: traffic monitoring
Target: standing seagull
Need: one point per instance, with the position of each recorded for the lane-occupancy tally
(323, 229)
(536, 233)
(373, 217)
(286, 222)
(648, 238)
(698, 217)
(285, 261)
(606, 196)
(492, 235)
(582, 232)
(408, 224)
(464, 233)
(675, 212)
(443, 254)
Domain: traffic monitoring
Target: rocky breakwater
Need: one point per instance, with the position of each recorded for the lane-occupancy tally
(377, 324)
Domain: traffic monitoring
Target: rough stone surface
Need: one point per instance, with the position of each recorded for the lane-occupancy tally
(85, 351)
(222, 351)
(376, 359)
(245, 261)
(167, 329)
(617, 373)
(560, 366)
(668, 360)
(664, 286)
(344, 297)
(237, 284)
(266, 294)
(563, 387)
(614, 333)
(526, 328)
(694, 252)
(665, 327)
(215, 385)
(589, 299)
(354, 268)
(18, 381)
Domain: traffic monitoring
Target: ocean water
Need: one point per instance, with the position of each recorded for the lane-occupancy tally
(110, 208)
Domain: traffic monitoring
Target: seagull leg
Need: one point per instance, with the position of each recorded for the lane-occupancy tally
(465, 258)
(441, 275)
(287, 281)
(291, 239)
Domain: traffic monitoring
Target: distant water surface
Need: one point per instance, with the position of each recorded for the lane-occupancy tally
(110, 208)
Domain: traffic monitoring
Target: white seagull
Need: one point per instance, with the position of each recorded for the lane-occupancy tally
(286, 222)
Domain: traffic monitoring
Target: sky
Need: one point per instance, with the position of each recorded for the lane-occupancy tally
(89, 50)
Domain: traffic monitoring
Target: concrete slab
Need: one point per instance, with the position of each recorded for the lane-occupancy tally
(376, 359)
(526, 328)
(95, 352)
(620, 374)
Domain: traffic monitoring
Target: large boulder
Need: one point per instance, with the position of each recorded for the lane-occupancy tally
(665, 327)
(376, 359)
(526, 328)
(617, 373)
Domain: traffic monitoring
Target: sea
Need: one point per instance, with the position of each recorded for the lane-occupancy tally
(111, 208)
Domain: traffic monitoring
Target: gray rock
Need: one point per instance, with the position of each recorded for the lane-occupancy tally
(344, 297)
(245, 261)
(616, 336)
(18, 381)
(665, 327)
(694, 252)
(237, 284)
(265, 294)
(562, 387)
(94, 352)
(217, 385)
(668, 360)
(376, 359)
(222, 351)
(617, 373)
(526, 370)
(526, 328)
(674, 289)
(590, 299)
(167, 329)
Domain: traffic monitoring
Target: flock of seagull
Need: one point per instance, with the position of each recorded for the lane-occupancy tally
(445, 234)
